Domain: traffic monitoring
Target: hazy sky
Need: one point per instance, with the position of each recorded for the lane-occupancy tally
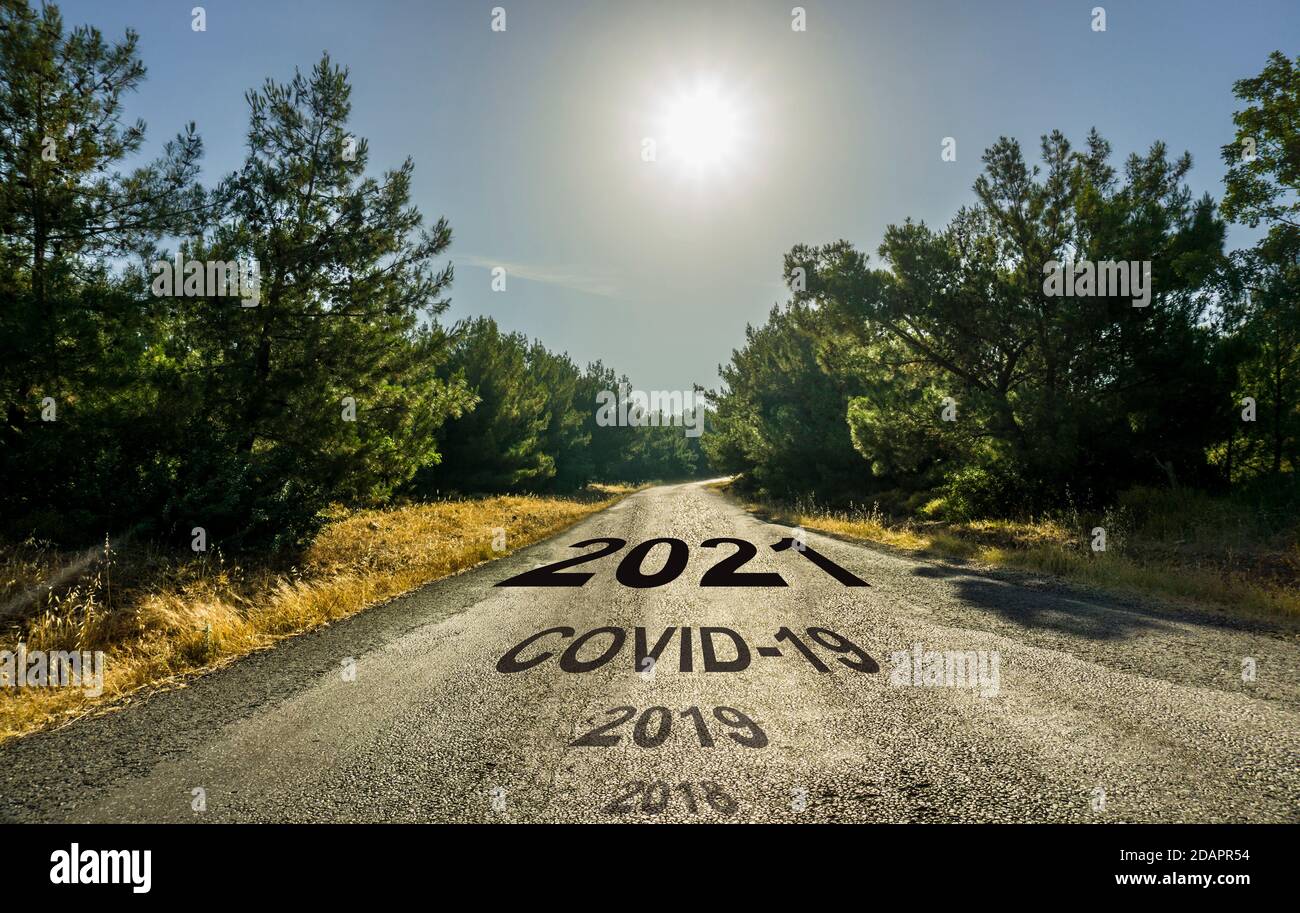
(530, 140)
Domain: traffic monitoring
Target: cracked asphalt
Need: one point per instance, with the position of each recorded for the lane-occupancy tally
(1105, 710)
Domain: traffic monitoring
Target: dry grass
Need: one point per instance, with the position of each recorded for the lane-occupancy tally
(159, 616)
(1200, 568)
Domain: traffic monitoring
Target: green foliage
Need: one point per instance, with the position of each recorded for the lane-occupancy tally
(1264, 158)
(328, 390)
(500, 444)
(567, 439)
(534, 425)
(657, 449)
(955, 374)
(608, 446)
(130, 408)
(75, 341)
(972, 492)
(170, 412)
(1262, 288)
(660, 451)
(1066, 389)
(780, 419)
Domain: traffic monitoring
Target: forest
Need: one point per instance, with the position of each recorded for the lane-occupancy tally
(947, 378)
(129, 412)
(952, 378)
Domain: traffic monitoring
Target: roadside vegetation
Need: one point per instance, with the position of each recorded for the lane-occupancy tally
(1182, 546)
(186, 475)
(951, 398)
(160, 615)
(275, 432)
(135, 403)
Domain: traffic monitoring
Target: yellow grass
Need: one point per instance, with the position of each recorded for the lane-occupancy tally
(159, 616)
(1048, 547)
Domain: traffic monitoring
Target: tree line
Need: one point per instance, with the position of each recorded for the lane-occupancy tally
(126, 410)
(951, 372)
(948, 374)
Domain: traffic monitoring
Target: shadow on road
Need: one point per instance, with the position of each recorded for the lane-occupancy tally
(1031, 608)
(1101, 616)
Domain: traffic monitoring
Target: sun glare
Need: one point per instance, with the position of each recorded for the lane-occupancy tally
(701, 126)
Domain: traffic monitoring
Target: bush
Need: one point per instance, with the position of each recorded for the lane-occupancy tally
(977, 492)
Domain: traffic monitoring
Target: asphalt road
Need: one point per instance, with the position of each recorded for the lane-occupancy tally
(1100, 710)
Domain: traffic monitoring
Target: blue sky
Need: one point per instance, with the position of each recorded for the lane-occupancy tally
(530, 140)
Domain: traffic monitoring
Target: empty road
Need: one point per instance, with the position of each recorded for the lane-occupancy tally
(946, 695)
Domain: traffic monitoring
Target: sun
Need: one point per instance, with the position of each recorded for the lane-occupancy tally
(701, 129)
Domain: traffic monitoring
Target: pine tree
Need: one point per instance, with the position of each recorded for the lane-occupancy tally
(73, 335)
(327, 389)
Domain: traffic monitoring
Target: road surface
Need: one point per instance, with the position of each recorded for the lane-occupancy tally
(411, 711)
